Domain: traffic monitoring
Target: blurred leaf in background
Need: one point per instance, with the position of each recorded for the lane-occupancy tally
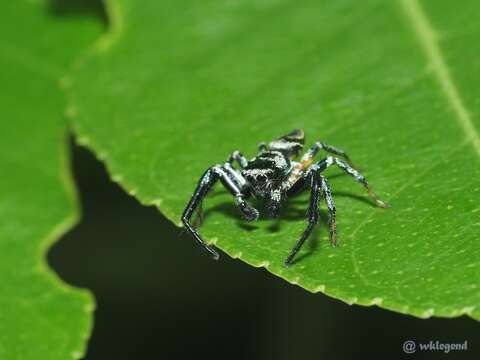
(174, 87)
(40, 317)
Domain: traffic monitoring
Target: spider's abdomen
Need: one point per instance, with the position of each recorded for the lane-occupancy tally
(290, 145)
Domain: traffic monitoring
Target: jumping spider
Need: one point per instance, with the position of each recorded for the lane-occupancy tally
(273, 175)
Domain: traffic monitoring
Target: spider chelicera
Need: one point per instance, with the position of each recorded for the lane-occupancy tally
(273, 175)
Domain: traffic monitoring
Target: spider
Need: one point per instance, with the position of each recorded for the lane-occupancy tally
(273, 176)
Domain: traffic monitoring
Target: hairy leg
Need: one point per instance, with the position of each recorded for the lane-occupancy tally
(313, 213)
(205, 183)
(328, 161)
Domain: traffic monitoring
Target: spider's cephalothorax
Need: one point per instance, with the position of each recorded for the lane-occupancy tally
(274, 175)
(267, 172)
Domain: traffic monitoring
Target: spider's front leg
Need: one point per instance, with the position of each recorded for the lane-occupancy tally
(318, 184)
(205, 183)
(238, 157)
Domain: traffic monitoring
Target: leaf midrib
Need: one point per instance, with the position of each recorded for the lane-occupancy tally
(427, 38)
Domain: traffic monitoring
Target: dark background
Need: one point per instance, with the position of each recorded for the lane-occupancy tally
(159, 296)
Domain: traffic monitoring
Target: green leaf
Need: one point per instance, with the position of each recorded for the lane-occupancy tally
(176, 86)
(40, 316)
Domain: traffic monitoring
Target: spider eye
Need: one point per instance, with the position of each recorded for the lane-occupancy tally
(261, 178)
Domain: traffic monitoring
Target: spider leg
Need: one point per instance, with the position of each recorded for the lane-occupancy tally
(238, 157)
(327, 196)
(234, 175)
(262, 146)
(199, 218)
(274, 203)
(205, 183)
(328, 161)
(313, 213)
(310, 154)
